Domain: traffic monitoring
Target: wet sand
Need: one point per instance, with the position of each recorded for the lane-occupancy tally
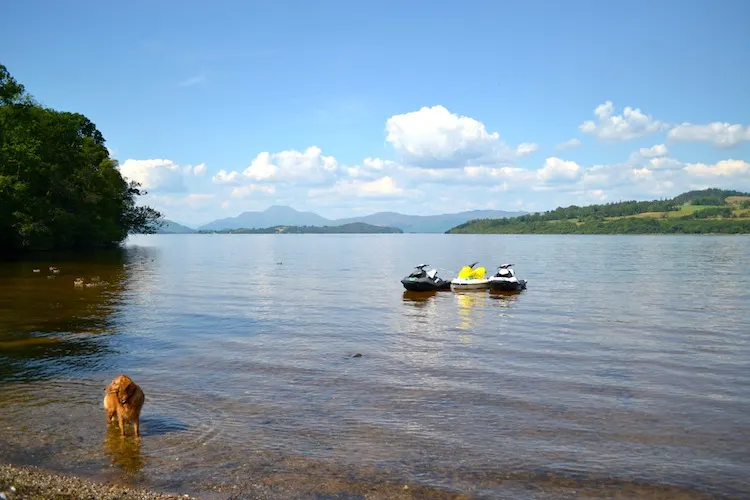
(301, 480)
(33, 483)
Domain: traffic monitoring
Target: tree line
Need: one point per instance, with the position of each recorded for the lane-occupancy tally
(616, 218)
(628, 225)
(59, 188)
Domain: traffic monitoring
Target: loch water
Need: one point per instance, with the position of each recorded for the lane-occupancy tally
(624, 367)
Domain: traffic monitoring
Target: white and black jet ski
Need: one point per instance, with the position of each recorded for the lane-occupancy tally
(421, 281)
(505, 280)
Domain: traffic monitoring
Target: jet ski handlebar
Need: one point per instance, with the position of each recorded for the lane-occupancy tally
(505, 266)
(422, 266)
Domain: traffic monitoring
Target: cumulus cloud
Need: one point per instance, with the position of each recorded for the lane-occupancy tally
(725, 168)
(653, 151)
(631, 124)
(384, 187)
(723, 135)
(570, 143)
(199, 169)
(370, 168)
(224, 177)
(156, 175)
(435, 148)
(433, 136)
(526, 148)
(557, 170)
(307, 167)
(663, 163)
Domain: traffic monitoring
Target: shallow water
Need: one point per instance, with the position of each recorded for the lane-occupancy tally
(624, 367)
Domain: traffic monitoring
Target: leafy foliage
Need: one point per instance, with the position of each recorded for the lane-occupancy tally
(711, 196)
(59, 189)
(709, 213)
(627, 225)
(599, 212)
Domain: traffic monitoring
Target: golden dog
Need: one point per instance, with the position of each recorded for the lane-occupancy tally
(125, 399)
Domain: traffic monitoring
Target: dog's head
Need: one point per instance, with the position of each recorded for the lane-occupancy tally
(123, 387)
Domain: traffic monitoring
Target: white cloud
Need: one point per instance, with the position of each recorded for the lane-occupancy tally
(436, 137)
(385, 187)
(723, 135)
(724, 168)
(157, 174)
(249, 189)
(597, 194)
(663, 163)
(653, 151)
(643, 173)
(511, 178)
(631, 124)
(456, 156)
(526, 148)
(308, 167)
(224, 177)
(554, 171)
(370, 168)
(571, 143)
(557, 170)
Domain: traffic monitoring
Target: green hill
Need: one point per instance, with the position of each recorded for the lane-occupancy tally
(695, 212)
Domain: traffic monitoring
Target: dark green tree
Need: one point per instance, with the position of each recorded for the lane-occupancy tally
(59, 189)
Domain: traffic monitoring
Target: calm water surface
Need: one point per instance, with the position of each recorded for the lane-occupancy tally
(624, 367)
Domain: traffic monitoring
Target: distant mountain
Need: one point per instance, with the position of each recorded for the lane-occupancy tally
(171, 227)
(351, 228)
(287, 216)
(272, 216)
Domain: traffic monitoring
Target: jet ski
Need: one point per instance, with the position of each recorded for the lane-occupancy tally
(470, 278)
(424, 281)
(506, 280)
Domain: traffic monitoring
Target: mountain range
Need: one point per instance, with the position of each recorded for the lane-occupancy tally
(287, 216)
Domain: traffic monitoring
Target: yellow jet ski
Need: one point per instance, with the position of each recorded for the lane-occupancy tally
(470, 278)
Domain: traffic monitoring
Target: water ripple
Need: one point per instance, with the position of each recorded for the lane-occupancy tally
(616, 365)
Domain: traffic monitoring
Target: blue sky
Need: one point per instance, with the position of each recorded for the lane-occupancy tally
(420, 107)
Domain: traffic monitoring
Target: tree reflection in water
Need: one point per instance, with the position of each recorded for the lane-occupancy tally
(49, 326)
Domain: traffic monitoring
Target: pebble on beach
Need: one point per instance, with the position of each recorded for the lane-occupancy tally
(34, 484)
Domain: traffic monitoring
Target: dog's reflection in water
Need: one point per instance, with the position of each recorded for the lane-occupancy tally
(123, 452)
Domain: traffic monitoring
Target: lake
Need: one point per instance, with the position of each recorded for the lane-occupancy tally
(623, 368)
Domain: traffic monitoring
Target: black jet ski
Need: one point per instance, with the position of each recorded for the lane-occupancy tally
(421, 281)
(506, 280)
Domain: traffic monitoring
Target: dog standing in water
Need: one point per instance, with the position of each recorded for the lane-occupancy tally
(124, 398)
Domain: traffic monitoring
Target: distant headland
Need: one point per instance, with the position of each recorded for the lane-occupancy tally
(708, 211)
